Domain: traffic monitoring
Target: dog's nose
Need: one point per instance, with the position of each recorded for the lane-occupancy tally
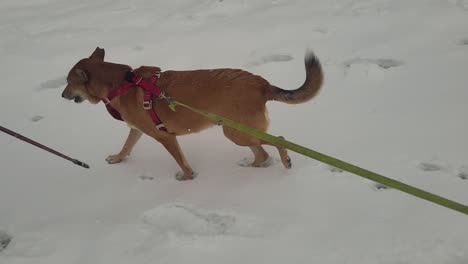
(63, 94)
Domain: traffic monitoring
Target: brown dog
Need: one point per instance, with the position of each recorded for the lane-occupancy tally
(231, 93)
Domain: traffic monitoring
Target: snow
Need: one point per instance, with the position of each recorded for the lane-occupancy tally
(394, 101)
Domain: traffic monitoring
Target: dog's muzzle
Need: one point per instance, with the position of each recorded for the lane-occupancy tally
(77, 99)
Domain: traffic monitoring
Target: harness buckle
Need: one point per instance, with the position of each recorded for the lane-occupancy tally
(148, 105)
(139, 80)
(162, 95)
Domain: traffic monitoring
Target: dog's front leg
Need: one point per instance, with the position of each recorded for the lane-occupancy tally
(171, 144)
(132, 139)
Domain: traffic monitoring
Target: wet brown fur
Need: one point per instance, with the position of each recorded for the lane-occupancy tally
(231, 93)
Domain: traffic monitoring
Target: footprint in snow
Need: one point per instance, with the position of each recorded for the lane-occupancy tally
(383, 63)
(463, 173)
(145, 177)
(5, 240)
(463, 42)
(322, 30)
(380, 187)
(36, 118)
(335, 169)
(53, 84)
(181, 220)
(462, 4)
(427, 166)
(271, 58)
(29, 244)
(188, 221)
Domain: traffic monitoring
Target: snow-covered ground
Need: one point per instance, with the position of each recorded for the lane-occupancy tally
(394, 101)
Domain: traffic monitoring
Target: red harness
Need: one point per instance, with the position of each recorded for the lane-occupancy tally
(150, 88)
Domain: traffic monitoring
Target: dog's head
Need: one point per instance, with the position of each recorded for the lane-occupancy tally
(80, 85)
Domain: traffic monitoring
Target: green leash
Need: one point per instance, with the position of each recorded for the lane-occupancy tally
(279, 141)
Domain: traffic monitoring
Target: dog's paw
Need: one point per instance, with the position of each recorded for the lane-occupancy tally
(181, 176)
(112, 159)
(287, 163)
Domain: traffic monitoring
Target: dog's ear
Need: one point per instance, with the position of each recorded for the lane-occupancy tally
(82, 76)
(98, 54)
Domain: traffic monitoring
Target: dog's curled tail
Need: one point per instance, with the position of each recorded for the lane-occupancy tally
(310, 88)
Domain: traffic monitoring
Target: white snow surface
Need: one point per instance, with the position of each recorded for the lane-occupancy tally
(394, 100)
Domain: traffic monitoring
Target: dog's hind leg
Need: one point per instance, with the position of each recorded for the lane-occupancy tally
(285, 159)
(133, 136)
(261, 156)
(242, 139)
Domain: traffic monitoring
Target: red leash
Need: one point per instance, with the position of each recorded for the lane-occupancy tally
(30, 141)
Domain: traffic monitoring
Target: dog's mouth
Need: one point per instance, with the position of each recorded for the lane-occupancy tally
(77, 99)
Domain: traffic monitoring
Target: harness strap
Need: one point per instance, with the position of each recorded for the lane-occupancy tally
(148, 106)
(150, 90)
